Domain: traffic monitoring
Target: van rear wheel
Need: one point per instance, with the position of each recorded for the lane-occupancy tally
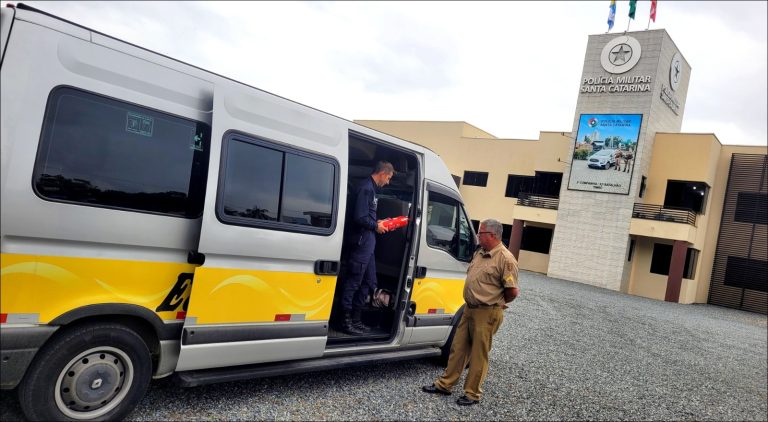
(91, 372)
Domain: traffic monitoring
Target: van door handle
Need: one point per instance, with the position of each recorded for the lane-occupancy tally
(326, 267)
(421, 272)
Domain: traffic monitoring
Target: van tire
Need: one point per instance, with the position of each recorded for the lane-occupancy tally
(109, 361)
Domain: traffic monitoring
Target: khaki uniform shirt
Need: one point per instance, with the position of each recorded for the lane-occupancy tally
(489, 273)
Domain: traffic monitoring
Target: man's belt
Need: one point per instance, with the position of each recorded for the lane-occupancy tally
(482, 305)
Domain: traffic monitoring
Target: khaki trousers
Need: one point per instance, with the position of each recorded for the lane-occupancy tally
(471, 343)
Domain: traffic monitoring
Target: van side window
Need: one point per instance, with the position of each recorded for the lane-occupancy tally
(448, 227)
(276, 187)
(101, 152)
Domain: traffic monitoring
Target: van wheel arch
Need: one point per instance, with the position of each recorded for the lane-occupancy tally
(139, 319)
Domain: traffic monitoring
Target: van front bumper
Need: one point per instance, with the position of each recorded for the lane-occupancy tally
(18, 346)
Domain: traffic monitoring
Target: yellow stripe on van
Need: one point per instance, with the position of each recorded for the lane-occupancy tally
(223, 295)
(438, 293)
(51, 286)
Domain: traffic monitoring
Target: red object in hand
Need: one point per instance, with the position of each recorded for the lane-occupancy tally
(395, 223)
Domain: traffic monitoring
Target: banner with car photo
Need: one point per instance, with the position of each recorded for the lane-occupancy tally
(604, 152)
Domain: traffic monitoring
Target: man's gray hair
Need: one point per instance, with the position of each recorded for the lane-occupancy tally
(383, 166)
(493, 226)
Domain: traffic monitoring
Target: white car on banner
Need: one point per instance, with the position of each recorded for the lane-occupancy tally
(602, 159)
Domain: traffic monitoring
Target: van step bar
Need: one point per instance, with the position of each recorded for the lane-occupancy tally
(238, 373)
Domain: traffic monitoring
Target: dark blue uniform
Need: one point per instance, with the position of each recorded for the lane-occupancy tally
(360, 280)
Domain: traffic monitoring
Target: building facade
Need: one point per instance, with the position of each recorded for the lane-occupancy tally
(623, 201)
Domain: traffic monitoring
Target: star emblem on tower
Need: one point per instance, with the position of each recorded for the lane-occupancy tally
(621, 54)
(676, 72)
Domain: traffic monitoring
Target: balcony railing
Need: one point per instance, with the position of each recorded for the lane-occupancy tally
(658, 212)
(538, 200)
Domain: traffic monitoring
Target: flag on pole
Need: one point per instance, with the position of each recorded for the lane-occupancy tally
(652, 16)
(632, 6)
(611, 14)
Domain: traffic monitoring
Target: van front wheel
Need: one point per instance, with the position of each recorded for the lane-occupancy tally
(92, 372)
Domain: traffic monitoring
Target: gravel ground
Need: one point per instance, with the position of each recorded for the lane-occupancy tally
(565, 351)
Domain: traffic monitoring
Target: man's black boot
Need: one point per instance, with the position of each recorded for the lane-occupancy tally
(349, 327)
(358, 322)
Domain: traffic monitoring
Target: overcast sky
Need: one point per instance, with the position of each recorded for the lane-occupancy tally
(509, 68)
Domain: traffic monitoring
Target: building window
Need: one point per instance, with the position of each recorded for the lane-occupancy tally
(476, 225)
(276, 187)
(631, 249)
(548, 183)
(536, 239)
(475, 178)
(662, 257)
(642, 186)
(751, 208)
(686, 195)
(506, 233)
(544, 183)
(100, 152)
(517, 184)
(746, 273)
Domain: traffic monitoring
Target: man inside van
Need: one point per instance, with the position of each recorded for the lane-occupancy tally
(360, 279)
(491, 283)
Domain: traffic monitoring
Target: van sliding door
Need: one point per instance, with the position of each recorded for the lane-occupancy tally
(270, 233)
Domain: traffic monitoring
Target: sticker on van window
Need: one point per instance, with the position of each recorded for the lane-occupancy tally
(197, 143)
(139, 124)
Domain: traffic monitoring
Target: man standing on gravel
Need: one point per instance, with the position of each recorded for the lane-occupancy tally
(491, 283)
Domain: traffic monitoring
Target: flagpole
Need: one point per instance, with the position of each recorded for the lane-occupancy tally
(630, 21)
(649, 23)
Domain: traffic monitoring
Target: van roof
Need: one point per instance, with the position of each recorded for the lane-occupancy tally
(23, 6)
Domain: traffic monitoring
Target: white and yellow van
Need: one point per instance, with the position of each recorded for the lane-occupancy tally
(160, 219)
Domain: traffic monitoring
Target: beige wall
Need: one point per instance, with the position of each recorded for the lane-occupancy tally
(676, 156)
(684, 157)
(533, 261)
(482, 152)
(688, 157)
(440, 137)
(694, 158)
(708, 238)
(643, 282)
(471, 131)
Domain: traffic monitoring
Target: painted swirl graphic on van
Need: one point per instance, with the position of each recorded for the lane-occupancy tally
(438, 293)
(51, 285)
(222, 295)
(49, 272)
